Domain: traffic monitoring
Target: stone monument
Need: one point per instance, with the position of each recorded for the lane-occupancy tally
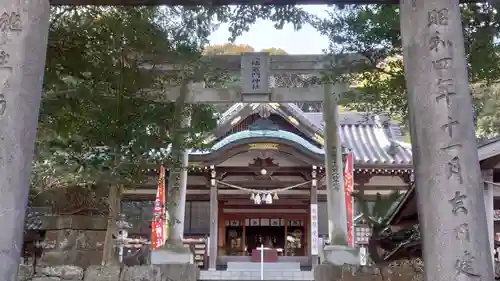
(450, 195)
(23, 40)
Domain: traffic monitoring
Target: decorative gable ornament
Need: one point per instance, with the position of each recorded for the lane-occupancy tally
(263, 125)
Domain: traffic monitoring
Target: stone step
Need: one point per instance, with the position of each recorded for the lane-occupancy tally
(268, 266)
(222, 275)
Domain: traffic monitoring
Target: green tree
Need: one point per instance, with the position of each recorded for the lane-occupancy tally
(227, 49)
(373, 31)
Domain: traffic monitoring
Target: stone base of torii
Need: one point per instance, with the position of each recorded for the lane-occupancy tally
(450, 195)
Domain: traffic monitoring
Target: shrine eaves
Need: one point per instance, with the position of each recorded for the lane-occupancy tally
(217, 2)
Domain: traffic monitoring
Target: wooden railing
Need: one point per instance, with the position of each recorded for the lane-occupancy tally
(199, 247)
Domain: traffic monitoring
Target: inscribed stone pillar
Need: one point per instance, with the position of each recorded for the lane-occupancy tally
(455, 240)
(23, 43)
(174, 251)
(337, 219)
(180, 211)
(214, 222)
(338, 251)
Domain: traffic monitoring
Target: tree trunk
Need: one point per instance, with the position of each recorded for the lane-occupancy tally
(108, 253)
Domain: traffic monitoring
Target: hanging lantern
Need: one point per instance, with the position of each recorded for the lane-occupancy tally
(252, 197)
(275, 197)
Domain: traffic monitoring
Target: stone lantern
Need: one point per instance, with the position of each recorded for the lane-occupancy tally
(122, 234)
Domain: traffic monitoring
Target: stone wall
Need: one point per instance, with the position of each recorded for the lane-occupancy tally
(73, 240)
(399, 271)
(405, 270)
(186, 272)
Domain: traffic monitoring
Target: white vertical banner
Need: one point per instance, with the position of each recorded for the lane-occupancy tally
(255, 73)
(314, 230)
(208, 245)
(363, 256)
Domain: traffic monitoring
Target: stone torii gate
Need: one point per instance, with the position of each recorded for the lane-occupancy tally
(255, 70)
(451, 205)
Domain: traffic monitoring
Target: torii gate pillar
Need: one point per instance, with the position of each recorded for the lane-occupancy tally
(338, 251)
(24, 26)
(450, 196)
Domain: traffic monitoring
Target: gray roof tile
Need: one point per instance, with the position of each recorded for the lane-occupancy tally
(372, 139)
(486, 141)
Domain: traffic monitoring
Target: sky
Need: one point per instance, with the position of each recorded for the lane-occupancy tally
(263, 35)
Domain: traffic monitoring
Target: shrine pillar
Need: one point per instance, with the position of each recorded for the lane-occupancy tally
(444, 146)
(337, 252)
(487, 176)
(180, 210)
(214, 222)
(174, 251)
(24, 29)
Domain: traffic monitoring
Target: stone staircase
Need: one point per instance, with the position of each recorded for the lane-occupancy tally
(250, 271)
(268, 266)
(224, 275)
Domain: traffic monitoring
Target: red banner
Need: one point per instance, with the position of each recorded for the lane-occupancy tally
(348, 188)
(158, 234)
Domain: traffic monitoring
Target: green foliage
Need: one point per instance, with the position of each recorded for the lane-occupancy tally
(96, 119)
(374, 32)
(242, 17)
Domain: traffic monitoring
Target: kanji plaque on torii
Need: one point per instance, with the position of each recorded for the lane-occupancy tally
(255, 74)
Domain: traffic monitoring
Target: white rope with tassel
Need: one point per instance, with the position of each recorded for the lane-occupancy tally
(249, 190)
(492, 183)
(266, 196)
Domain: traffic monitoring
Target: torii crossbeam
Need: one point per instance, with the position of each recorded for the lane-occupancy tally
(256, 72)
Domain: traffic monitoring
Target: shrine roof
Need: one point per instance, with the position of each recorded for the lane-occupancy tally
(264, 134)
(373, 139)
(488, 148)
(403, 209)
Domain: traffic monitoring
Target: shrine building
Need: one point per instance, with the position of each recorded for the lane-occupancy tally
(265, 159)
